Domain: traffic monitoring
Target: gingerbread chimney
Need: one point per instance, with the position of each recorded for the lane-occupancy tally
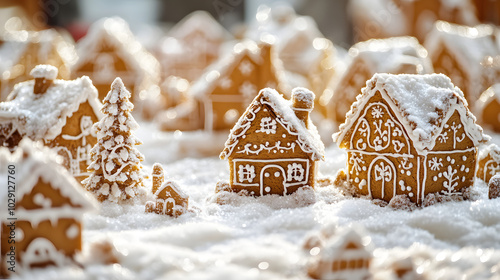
(44, 77)
(302, 104)
(158, 177)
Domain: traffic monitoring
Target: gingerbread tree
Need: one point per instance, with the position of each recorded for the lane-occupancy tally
(116, 168)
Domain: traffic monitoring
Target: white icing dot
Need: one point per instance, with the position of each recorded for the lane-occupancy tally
(267, 189)
(255, 146)
(72, 231)
(244, 136)
(467, 170)
(356, 180)
(452, 161)
(275, 151)
(435, 178)
(282, 151)
(410, 194)
(408, 173)
(265, 109)
(266, 174)
(364, 168)
(462, 168)
(440, 175)
(402, 171)
(464, 158)
(276, 174)
(463, 179)
(448, 158)
(19, 234)
(284, 136)
(408, 188)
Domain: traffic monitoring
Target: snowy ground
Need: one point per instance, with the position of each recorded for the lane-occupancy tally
(254, 240)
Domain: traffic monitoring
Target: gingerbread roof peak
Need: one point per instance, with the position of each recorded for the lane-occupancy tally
(44, 116)
(469, 45)
(335, 247)
(32, 161)
(387, 55)
(309, 139)
(46, 71)
(200, 21)
(421, 102)
(493, 150)
(174, 187)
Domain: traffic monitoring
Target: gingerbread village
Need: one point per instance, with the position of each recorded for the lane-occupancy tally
(404, 121)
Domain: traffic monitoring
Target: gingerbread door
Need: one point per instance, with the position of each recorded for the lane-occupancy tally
(41, 252)
(382, 178)
(272, 180)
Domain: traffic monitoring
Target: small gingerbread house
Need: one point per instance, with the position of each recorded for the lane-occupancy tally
(21, 51)
(487, 108)
(60, 113)
(488, 162)
(398, 55)
(274, 146)
(410, 135)
(462, 53)
(110, 50)
(49, 205)
(218, 97)
(346, 255)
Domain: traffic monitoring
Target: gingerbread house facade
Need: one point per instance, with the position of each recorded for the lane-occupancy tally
(398, 55)
(225, 89)
(410, 135)
(488, 162)
(60, 113)
(462, 53)
(49, 207)
(487, 108)
(110, 50)
(274, 147)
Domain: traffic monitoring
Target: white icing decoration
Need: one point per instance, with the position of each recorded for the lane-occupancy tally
(246, 67)
(435, 163)
(72, 232)
(41, 200)
(40, 251)
(257, 149)
(246, 173)
(295, 172)
(248, 90)
(267, 125)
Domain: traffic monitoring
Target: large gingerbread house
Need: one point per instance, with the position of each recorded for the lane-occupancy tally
(20, 51)
(49, 205)
(110, 50)
(274, 146)
(462, 53)
(398, 55)
(218, 97)
(410, 135)
(60, 113)
(487, 108)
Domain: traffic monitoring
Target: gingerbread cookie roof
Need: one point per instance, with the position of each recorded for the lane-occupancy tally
(493, 150)
(309, 139)
(421, 102)
(339, 245)
(174, 187)
(115, 31)
(42, 116)
(32, 162)
(387, 55)
(200, 21)
(486, 97)
(469, 45)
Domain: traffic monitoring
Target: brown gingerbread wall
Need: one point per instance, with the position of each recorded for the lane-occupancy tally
(490, 116)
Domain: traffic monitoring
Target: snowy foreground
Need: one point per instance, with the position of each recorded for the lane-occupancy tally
(254, 239)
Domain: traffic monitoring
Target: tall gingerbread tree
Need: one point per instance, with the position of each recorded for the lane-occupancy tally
(116, 170)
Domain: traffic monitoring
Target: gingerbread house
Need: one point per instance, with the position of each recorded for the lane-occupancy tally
(218, 97)
(410, 135)
(396, 55)
(488, 162)
(462, 53)
(274, 146)
(49, 205)
(388, 18)
(21, 51)
(487, 108)
(191, 46)
(57, 112)
(346, 255)
(110, 50)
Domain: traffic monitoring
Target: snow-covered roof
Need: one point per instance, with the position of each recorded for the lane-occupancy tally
(42, 116)
(335, 246)
(370, 10)
(422, 103)
(492, 93)
(32, 161)
(387, 55)
(469, 45)
(200, 21)
(45, 71)
(174, 187)
(308, 138)
(115, 31)
(493, 150)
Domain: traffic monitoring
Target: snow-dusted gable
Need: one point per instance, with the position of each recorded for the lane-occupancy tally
(168, 187)
(43, 116)
(308, 139)
(422, 103)
(200, 21)
(347, 244)
(33, 162)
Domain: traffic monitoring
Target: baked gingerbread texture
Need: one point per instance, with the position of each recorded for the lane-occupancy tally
(466, 55)
(487, 108)
(222, 93)
(49, 207)
(398, 55)
(345, 255)
(116, 170)
(274, 146)
(21, 51)
(494, 187)
(110, 50)
(488, 162)
(169, 198)
(57, 112)
(410, 135)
